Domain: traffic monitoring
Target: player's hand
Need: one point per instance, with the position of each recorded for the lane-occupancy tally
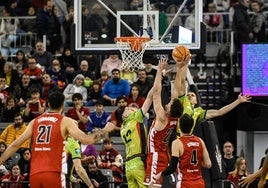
(162, 63)
(244, 98)
(247, 180)
(184, 62)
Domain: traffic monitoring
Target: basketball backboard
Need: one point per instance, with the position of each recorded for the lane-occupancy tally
(95, 35)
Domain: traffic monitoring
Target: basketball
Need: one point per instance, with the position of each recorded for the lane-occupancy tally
(180, 53)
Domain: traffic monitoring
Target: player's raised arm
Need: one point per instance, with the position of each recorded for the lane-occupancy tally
(182, 57)
(157, 101)
(215, 113)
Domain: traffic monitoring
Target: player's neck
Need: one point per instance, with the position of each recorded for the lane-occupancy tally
(55, 111)
(185, 134)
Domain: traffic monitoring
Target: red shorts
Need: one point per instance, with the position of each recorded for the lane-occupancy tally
(155, 163)
(199, 183)
(48, 179)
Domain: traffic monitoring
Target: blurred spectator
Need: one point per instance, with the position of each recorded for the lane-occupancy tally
(4, 168)
(24, 163)
(69, 63)
(133, 21)
(257, 22)
(112, 62)
(48, 86)
(35, 106)
(37, 4)
(171, 11)
(110, 158)
(76, 87)
(89, 154)
(10, 109)
(144, 82)
(111, 25)
(20, 62)
(93, 65)
(20, 7)
(14, 130)
(128, 75)
(117, 121)
(67, 27)
(57, 74)
(48, 25)
(134, 99)
(214, 23)
(239, 172)
(104, 78)
(22, 90)
(2, 62)
(11, 75)
(98, 118)
(163, 19)
(190, 20)
(85, 16)
(84, 70)
(33, 70)
(95, 24)
(241, 25)
(12, 179)
(94, 93)
(43, 58)
(4, 90)
(79, 112)
(8, 29)
(29, 24)
(68, 60)
(228, 157)
(62, 13)
(114, 88)
(96, 176)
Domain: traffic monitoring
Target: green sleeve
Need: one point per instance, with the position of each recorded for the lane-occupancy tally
(73, 148)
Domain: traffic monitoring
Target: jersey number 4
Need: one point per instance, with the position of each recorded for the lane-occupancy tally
(194, 160)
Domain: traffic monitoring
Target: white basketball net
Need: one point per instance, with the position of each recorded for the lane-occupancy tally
(131, 58)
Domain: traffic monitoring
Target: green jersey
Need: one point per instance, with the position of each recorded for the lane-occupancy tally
(198, 113)
(73, 152)
(131, 135)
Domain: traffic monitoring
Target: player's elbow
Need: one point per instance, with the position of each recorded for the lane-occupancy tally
(207, 164)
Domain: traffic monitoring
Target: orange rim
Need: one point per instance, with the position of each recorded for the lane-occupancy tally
(135, 42)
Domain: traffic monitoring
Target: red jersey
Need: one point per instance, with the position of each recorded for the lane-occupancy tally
(158, 140)
(158, 156)
(190, 163)
(72, 114)
(48, 146)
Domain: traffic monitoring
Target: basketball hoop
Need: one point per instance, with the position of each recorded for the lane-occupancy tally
(132, 49)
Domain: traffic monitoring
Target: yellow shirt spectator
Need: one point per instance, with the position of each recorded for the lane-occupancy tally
(13, 131)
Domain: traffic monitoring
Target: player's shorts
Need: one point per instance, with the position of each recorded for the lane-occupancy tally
(199, 183)
(48, 179)
(135, 173)
(156, 162)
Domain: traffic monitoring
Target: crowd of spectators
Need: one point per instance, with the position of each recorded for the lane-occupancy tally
(28, 79)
